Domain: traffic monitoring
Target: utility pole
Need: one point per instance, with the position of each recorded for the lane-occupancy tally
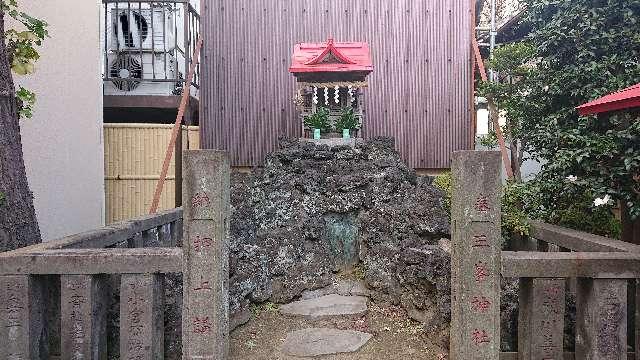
(492, 37)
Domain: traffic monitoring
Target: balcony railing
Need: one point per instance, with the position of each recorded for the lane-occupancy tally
(148, 46)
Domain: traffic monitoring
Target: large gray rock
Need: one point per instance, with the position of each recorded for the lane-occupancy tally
(326, 306)
(320, 341)
(314, 210)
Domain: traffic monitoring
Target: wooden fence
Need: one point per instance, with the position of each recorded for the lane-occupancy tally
(597, 270)
(142, 251)
(133, 156)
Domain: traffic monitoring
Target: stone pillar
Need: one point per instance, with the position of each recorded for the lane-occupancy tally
(141, 317)
(83, 309)
(205, 317)
(601, 319)
(541, 319)
(636, 287)
(475, 257)
(176, 233)
(21, 318)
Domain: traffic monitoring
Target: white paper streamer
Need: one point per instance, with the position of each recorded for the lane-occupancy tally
(336, 96)
(351, 97)
(326, 96)
(315, 95)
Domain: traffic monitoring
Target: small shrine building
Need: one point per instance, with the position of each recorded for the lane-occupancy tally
(330, 75)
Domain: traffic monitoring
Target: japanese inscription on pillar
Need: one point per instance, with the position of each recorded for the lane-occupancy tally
(76, 316)
(601, 319)
(134, 303)
(550, 342)
(541, 319)
(14, 318)
(206, 254)
(141, 314)
(475, 273)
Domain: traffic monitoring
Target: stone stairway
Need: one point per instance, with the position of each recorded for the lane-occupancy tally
(342, 299)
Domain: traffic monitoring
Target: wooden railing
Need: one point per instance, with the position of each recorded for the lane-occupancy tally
(596, 270)
(54, 296)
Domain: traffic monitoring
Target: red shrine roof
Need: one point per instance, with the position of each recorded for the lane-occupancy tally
(331, 57)
(624, 99)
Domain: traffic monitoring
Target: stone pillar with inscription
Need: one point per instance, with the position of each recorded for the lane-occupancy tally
(21, 318)
(83, 317)
(141, 317)
(475, 255)
(205, 317)
(541, 319)
(601, 319)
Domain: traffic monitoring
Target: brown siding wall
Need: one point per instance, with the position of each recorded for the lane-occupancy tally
(420, 91)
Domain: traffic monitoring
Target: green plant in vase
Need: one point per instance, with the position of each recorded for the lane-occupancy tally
(318, 121)
(347, 122)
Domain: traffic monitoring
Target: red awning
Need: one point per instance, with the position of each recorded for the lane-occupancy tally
(625, 99)
(331, 57)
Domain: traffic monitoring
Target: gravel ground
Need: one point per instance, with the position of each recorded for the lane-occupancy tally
(395, 336)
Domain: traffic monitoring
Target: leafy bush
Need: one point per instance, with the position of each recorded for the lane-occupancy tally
(318, 120)
(444, 183)
(538, 199)
(490, 140)
(575, 51)
(514, 216)
(567, 203)
(347, 120)
(22, 48)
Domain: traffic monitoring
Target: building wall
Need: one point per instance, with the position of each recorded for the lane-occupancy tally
(420, 91)
(63, 141)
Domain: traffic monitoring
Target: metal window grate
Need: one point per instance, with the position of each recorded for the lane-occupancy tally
(148, 45)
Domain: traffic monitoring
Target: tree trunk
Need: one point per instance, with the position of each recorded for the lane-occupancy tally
(18, 224)
(515, 159)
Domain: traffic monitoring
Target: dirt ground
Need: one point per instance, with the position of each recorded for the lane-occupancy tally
(395, 336)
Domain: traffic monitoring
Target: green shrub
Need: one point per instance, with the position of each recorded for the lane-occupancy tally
(347, 120)
(555, 201)
(514, 216)
(444, 183)
(318, 120)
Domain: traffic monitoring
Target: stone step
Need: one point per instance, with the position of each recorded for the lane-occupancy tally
(322, 341)
(327, 306)
(344, 287)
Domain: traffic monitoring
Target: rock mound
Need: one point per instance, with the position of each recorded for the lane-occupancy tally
(314, 210)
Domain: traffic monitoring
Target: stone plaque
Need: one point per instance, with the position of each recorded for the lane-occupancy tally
(141, 317)
(601, 319)
(475, 258)
(205, 318)
(541, 319)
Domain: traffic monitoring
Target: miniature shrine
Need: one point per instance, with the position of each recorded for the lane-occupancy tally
(330, 80)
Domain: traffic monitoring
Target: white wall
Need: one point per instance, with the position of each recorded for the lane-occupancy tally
(62, 143)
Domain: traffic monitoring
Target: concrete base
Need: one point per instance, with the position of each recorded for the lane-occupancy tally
(334, 142)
